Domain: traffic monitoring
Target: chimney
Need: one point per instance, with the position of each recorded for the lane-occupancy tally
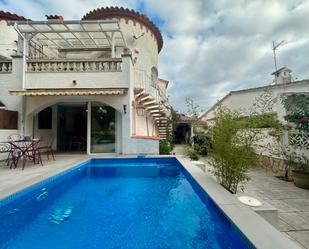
(54, 17)
(283, 76)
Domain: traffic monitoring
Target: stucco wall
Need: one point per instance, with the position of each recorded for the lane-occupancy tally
(8, 36)
(144, 48)
(136, 146)
(145, 126)
(246, 99)
(11, 81)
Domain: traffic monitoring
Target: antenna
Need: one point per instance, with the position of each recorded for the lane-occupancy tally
(275, 47)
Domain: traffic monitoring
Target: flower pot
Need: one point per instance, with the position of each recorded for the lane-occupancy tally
(301, 179)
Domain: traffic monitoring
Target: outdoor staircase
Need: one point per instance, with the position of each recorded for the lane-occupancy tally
(155, 108)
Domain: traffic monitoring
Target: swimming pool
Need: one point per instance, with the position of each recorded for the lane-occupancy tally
(117, 203)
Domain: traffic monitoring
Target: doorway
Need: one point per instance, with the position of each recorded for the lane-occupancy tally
(72, 127)
(103, 128)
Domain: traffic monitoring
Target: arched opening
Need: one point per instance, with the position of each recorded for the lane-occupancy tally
(63, 124)
(77, 126)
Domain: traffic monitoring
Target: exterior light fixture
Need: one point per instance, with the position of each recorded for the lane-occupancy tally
(125, 109)
(140, 110)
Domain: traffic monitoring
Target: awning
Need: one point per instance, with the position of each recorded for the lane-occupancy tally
(70, 92)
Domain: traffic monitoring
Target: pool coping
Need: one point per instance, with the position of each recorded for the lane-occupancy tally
(258, 231)
(19, 187)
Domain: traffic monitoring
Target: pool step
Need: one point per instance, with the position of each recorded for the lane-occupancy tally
(60, 215)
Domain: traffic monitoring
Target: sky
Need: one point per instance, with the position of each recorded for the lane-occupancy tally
(211, 47)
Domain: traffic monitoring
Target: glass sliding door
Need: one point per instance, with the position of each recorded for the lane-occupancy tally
(103, 131)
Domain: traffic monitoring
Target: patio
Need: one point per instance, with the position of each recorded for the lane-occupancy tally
(292, 202)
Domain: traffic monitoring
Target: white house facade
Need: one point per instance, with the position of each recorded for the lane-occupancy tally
(88, 85)
(244, 99)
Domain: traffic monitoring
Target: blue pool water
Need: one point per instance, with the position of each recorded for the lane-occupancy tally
(117, 203)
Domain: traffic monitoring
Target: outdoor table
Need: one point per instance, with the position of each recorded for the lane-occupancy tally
(25, 148)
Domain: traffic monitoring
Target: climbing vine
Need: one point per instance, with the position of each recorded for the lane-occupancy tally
(297, 107)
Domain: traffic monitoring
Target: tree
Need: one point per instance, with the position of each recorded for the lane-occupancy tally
(234, 136)
(193, 111)
(232, 152)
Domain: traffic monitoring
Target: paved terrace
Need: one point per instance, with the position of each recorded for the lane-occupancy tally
(292, 202)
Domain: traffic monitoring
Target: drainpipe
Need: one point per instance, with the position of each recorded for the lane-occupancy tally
(23, 79)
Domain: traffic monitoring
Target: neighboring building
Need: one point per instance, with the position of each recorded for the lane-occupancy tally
(89, 85)
(244, 99)
(184, 129)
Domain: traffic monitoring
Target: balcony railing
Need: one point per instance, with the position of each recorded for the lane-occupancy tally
(5, 67)
(60, 66)
(144, 81)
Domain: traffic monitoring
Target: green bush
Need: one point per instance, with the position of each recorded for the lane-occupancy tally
(200, 149)
(232, 152)
(191, 153)
(165, 147)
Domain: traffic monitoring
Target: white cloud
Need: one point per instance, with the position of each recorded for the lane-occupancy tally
(214, 47)
(210, 46)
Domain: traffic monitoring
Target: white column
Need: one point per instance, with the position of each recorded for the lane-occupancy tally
(88, 127)
(113, 45)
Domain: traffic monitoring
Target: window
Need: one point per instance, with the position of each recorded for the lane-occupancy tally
(8, 119)
(45, 118)
(154, 76)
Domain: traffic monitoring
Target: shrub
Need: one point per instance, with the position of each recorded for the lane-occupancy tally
(191, 153)
(232, 152)
(201, 143)
(165, 147)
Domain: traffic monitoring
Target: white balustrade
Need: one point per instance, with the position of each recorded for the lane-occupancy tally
(47, 66)
(5, 67)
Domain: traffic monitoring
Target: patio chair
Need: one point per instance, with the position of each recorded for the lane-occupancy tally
(48, 148)
(10, 159)
(34, 152)
(6, 148)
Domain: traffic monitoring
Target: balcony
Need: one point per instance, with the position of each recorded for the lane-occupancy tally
(67, 73)
(61, 66)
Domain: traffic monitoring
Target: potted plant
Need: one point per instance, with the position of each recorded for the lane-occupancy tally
(300, 169)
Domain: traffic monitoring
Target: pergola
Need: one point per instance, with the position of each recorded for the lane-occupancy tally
(73, 35)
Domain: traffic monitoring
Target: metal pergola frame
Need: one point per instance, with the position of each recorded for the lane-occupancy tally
(62, 35)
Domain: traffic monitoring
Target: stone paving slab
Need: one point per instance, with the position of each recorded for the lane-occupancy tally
(301, 237)
(292, 203)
